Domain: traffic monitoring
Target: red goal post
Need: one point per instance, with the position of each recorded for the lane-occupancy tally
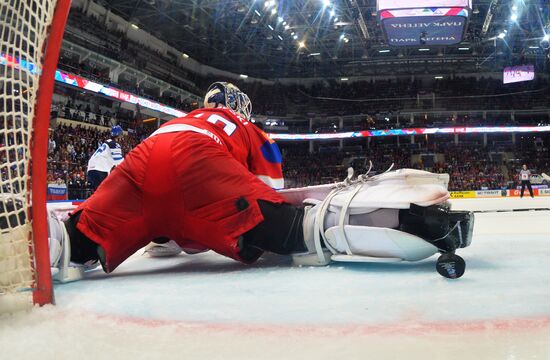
(31, 32)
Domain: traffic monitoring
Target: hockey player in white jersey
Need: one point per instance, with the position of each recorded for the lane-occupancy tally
(105, 158)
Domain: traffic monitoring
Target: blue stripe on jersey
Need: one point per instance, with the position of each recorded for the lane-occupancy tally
(112, 144)
(271, 152)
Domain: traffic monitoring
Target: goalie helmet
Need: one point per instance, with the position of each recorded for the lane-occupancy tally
(228, 95)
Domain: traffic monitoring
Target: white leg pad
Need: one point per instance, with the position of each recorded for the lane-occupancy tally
(388, 196)
(372, 237)
(399, 177)
(379, 243)
(62, 269)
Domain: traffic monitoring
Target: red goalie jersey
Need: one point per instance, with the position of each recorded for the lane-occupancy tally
(196, 180)
(246, 142)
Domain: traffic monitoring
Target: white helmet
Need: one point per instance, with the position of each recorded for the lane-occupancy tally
(228, 95)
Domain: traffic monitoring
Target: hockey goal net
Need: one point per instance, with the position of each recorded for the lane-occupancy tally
(30, 38)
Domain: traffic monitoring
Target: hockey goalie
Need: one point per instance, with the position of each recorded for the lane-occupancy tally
(212, 180)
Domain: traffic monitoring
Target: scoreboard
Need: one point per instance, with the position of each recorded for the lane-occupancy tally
(424, 22)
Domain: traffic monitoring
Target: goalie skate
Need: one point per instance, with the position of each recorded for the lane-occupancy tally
(164, 249)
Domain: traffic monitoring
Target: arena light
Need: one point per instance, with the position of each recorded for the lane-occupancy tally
(301, 44)
(270, 27)
(344, 79)
(332, 13)
(423, 49)
(134, 26)
(243, 76)
(545, 42)
(514, 17)
(438, 77)
(257, 13)
(383, 51)
(295, 37)
(273, 11)
(280, 37)
(502, 35)
(315, 54)
(326, 3)
(185, 56)
(280, 19)
(463, 48)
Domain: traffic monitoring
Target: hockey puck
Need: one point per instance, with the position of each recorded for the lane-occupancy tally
(450, 266)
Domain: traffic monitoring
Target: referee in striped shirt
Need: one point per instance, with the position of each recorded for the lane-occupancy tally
(525, 176)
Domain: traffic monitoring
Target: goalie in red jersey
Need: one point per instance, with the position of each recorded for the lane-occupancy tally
(208, 181)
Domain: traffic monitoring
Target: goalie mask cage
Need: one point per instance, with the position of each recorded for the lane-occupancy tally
(30, 37)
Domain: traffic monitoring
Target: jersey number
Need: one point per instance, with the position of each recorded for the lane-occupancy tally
(228, 127)
(100, 149)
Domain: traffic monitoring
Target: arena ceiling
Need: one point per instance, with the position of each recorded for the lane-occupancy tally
(334, 38)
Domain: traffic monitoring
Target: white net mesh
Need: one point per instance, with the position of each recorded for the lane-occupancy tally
(23, 32)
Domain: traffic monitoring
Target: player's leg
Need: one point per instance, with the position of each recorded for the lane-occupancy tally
(222, 199)
(71, 252)
(281, 231)
(522, 188)
(113, 221)
(95, 178)
(530, 188)
(384, 218)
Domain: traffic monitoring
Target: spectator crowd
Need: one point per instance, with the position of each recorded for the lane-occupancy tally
(470, 166)
(70, 148)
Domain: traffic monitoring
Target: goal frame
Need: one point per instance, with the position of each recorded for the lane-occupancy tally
(41, 291)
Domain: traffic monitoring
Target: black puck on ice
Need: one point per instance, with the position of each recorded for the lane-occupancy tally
(450, 266)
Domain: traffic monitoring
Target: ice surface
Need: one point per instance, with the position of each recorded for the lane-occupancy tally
(208, 307)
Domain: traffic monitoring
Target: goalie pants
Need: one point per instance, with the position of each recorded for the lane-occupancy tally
(186, 187)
